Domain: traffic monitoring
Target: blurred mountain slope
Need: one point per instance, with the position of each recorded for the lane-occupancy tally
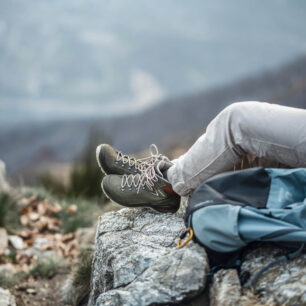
(189, 115)
(175, 122)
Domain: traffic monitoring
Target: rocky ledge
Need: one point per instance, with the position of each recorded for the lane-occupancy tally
(137, 262)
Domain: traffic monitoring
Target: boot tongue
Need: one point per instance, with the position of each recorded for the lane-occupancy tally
(162, 166)
(158, 168)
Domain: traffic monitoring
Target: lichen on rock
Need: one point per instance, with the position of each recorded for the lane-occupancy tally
(137, 262)
(284, 283)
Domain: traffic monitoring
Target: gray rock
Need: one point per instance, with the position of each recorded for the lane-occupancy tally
(3, 240)
(137, 262)
(39, 242)
(6, 298)
(225, 289)
(282, 284)
(67, 291)
(4, 185)
(85, 236)
(183, 206)
(16, 242)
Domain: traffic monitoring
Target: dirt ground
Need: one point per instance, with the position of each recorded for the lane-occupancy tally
(43, 292)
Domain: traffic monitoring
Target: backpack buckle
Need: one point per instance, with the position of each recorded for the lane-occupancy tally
(183, 235)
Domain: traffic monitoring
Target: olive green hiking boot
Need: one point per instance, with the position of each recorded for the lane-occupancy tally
(112, 161)
(148, 189)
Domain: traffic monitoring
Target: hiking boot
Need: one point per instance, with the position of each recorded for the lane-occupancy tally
(112, 161)
(147, 189)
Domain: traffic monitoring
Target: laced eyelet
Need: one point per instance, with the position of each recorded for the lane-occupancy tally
(144, 177)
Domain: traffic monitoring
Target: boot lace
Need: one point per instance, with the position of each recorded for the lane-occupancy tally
(147, 178)
(141, 163)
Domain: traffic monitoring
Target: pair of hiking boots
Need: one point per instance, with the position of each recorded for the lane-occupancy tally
(135, 182)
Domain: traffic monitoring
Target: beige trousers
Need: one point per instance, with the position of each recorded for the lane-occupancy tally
(265, 130)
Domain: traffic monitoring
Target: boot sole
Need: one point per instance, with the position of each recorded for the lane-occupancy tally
(163, 209)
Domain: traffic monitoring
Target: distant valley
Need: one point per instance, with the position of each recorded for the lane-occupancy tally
(173, 123)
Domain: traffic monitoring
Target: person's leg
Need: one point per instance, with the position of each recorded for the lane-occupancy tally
(265, 130)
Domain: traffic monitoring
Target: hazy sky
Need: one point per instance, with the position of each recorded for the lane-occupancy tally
(84, 58)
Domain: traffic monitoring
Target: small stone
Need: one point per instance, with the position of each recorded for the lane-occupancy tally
(3, 240)
(16, 242)
(39, 242)
(22, 287)
(6, 298)
(31, 291)
(33, 216)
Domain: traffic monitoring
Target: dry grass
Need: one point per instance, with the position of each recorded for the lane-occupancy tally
(78, 287)
(8, 280)
(49, 267)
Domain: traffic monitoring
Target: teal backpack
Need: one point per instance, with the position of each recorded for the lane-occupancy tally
(233, 210)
